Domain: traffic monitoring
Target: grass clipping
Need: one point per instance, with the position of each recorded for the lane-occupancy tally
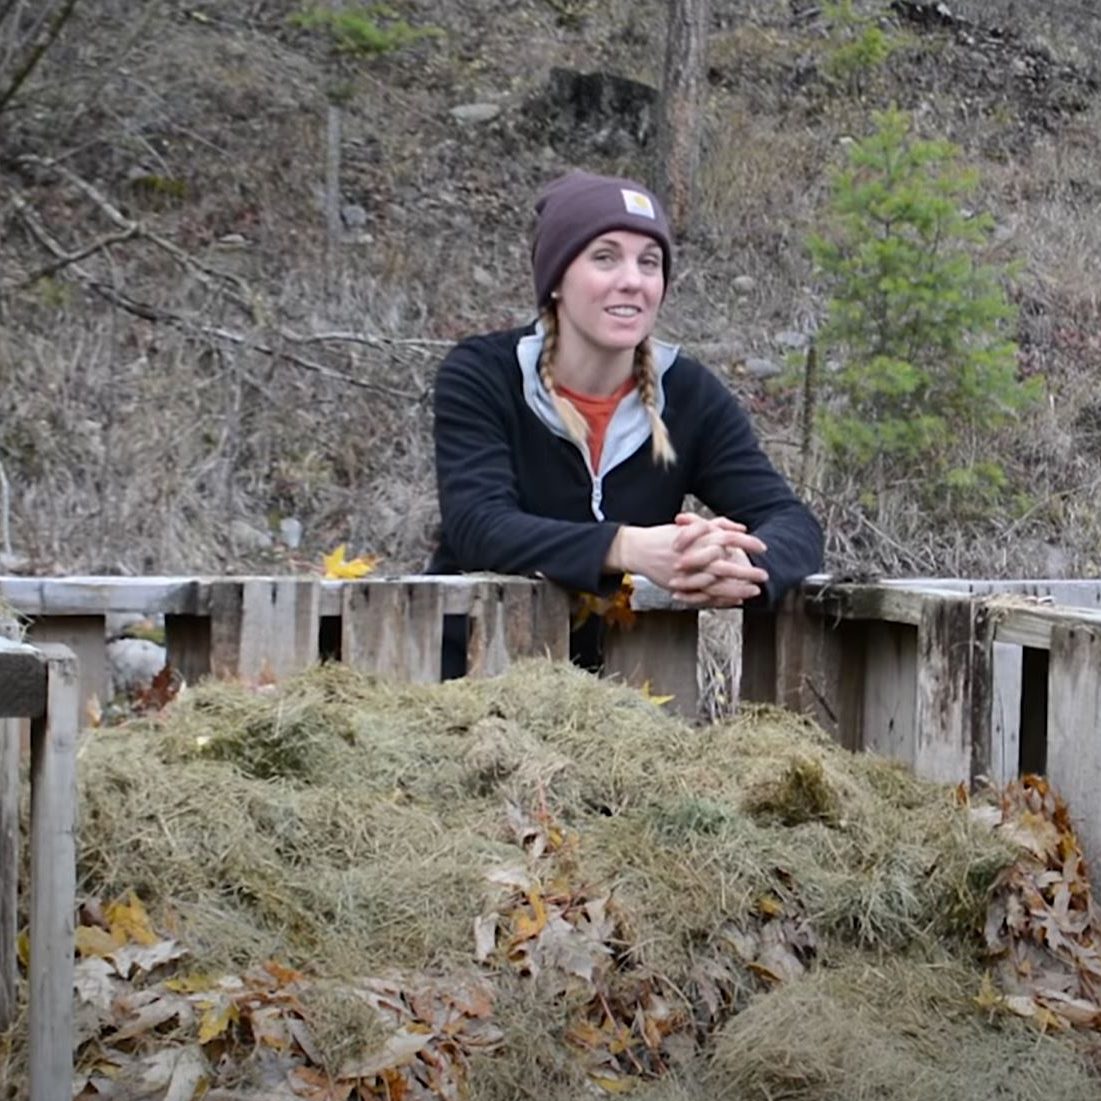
(593, 896)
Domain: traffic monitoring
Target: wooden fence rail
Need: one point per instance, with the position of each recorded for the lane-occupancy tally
(41, 684)
(962, 685)
(960, 679)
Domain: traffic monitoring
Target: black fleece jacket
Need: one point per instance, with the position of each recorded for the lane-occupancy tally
(517, 498)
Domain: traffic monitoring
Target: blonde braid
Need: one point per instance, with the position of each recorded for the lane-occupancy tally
(575, 423)
(646, 378)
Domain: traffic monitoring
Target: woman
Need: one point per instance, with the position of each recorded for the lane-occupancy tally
(567, 448)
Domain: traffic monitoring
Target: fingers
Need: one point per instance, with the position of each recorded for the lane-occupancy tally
(692, 528)
(722, 555)
(731, 533)
(720, 594)
(722, 521)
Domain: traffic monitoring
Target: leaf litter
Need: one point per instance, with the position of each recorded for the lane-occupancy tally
(541, 884)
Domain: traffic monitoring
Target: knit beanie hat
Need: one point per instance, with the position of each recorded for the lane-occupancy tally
(575, 208)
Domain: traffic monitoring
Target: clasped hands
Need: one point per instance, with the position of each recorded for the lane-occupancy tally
(700, 561)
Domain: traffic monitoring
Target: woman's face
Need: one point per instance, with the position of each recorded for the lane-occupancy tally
(610, 294)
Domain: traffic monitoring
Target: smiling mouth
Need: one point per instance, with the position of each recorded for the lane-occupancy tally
(624, 311)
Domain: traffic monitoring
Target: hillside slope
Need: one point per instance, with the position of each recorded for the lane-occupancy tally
(212, 368)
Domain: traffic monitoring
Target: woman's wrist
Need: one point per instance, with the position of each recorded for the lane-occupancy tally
(619, 558)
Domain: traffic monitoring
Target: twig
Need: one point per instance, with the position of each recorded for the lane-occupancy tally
(310, 365)
(74, 257)
(369, 339)
(5, 513)
(35, 56)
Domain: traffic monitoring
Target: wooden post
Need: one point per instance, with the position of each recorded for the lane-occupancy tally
(1005, 717)
(550, 621)
(263, 627)
(22, 693)
(53, 879)
(487, 646)
(758, 680)
(513, 617)
(954, 689)
(808, 660)
(814, 656)
(1074, 731)
(393, 628)
(662, 648)
(187, 645)
(86, 636)
(982, 685)
(890, 690)
(852, 643)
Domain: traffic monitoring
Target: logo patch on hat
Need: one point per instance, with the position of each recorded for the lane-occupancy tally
(637, 203)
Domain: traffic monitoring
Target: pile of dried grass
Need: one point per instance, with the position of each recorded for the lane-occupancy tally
(894, 1026)
(801, 922)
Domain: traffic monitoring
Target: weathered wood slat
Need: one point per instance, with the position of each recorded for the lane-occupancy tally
(661, 648)
(393, 630)
(550, 630)
(22, 677)
(814, 662)
(954, 671)
(758, 683)
(86, 636)
(1032, 625)
(1074, 730)
(19, 680)
(36, 596)
(1005, 713)
(187, 645)
(263, 627)
(9, 867)
(889, 704)
(53, 880)
(487, 640)
(458, 591)
(886, 603)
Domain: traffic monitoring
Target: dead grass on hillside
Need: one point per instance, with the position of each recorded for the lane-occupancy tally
(212, 135)
(747, 880)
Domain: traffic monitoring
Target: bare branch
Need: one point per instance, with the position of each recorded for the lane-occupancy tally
(310, 365)
(369, 339)
(75, 257)
(196, 328)
(36, 52)
(5, 514)
(239, 291)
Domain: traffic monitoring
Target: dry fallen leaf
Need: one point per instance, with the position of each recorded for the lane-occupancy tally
(130, 920)
(337, 568)
(654, 698)
(218, 1014)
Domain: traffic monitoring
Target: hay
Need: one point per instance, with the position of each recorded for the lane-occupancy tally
(866, 1029)
(346, 827)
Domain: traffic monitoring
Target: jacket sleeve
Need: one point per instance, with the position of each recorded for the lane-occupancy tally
(734, 477)
(483, 524)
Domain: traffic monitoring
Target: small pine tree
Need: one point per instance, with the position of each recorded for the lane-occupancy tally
(858, 44)
(928, 368)
(364, 32)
